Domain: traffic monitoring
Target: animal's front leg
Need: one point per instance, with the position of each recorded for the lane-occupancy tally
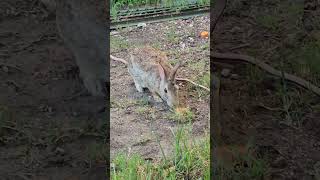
(156, 97)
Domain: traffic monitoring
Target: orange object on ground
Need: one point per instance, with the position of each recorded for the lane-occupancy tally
(204, 34)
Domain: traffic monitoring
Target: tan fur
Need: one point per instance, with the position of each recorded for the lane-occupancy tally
(145, 66)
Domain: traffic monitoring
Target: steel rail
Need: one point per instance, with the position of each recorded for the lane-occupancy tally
(133, 20)
(151, 13)
(151, 9)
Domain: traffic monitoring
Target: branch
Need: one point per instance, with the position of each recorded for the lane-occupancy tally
(218, 9)
(188, 80)
(230, 57)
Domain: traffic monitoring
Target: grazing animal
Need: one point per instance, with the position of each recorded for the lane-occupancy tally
(150, 69)
(82, 26)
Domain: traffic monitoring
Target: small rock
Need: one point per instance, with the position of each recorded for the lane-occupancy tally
(234, 76)
(142, 25)
(191, 39)
(75, 114)
(114, 33)
(59, 151)
(235, 29)
(279, 163)
(5, 69)
(129, 29)
(183, 45)
(225, 72)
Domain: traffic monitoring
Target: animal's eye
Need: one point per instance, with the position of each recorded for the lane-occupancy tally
(165, 90)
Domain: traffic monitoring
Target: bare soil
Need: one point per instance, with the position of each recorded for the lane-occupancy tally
(252, 104)
(135, 126)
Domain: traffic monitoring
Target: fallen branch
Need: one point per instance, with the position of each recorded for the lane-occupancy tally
(119, 59)
(230, 57)
(188, 80)
(10, 66)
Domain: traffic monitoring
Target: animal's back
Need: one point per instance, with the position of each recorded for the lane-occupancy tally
(82, 25)
(82, 22)
(149, 57)
(144, 66)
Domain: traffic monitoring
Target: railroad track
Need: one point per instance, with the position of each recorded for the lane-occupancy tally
(127, 18)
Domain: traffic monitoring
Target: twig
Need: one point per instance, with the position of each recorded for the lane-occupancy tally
(219, 7)
(217, 116)
(230, 57)
(119, 59)
(269, 108)
(240, 46)
(11, 66)
(188, 80)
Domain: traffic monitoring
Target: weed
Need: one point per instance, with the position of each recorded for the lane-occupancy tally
(197, 66)
(294, 105)
(142, 102)
(255, 77)
(142, 110)
(5, 117)
(190, 160)
(307, 60)
(184, 116)
(203, 80)
(270, 21)
(243, 166)
(117, 43)
(172, 36)
(97, 152)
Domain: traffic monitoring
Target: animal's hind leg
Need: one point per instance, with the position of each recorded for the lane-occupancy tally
(93, 73)
(84, 33)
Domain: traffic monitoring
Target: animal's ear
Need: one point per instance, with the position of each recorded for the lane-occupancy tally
(161, 72)
(174, 71)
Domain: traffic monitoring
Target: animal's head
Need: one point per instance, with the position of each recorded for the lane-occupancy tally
(168, 87)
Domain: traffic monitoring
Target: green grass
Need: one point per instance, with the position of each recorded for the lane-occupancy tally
(203, 80)
(97, 151)
(118, 43)
(302, 60)
(182, 117)
(254, 78)
(244, 166)
(172, 36)
(307, 60)
(277, 17)
(5, 118)
(270, 21)
(190, 160)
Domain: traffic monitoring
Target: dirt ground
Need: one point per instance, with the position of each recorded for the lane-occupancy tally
(253, 105)
(45, 133)
(136, 120)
